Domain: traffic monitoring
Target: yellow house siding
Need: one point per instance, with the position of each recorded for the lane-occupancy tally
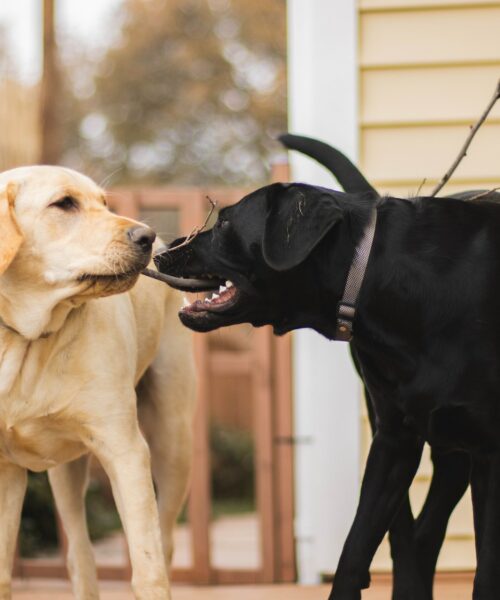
(447, 35)
(444, 94)
(428, 150)
(413, 5)
(427, 68)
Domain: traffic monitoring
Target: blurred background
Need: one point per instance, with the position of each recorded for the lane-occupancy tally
(177, 91)
(146, 95)
(165, 101)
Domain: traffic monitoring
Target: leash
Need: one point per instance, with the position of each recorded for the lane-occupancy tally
(346, 308)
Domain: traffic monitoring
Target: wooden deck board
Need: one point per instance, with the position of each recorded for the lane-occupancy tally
(451, 588)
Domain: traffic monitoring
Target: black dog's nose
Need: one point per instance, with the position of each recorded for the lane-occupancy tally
(142, 236)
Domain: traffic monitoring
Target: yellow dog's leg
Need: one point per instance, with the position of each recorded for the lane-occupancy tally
(13, 481)
(69, 484)
(166, 405)
(123, 452)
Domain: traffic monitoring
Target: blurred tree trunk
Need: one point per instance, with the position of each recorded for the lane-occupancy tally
(50, 146)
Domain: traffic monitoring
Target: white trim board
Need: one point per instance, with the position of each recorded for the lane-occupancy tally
(323, 103)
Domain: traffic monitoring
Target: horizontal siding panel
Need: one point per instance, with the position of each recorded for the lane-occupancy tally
(427, 94)
(458, 552)
(427, 152)
(430, 36)
(457, 555)
(410, 189)
(425, 468)
(461, 524)
(366, 5)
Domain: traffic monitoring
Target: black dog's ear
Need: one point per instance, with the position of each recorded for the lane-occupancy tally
(298, 218)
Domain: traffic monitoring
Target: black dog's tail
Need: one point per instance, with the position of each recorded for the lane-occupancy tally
(347, 174)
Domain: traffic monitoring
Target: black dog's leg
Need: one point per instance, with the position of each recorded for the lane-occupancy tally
(450, 480)
(479, 489)
(391, 466)
(406, 582)
(485, 482)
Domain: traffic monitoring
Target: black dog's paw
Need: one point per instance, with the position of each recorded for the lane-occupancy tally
(338, 594)
(413, 593)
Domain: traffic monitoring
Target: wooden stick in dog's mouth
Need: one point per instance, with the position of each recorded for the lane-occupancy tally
(183, 283)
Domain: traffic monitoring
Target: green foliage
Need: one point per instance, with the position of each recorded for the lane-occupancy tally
(189, 91)
(38, 523)
(233, 470)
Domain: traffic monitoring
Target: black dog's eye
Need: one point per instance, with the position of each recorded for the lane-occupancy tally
(222, 223)
(66, 203)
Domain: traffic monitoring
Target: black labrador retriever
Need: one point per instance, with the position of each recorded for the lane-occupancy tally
(415, 545)
(426, 330)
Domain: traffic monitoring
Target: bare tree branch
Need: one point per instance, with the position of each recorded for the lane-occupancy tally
(196, 231)
(484, 194)
(465, 147)
(154, 275)
(422, 183)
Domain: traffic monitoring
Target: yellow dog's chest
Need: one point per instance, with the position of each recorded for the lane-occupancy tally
(37, 444)
(39, 427)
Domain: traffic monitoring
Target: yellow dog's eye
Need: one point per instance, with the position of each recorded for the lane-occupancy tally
(66, 203)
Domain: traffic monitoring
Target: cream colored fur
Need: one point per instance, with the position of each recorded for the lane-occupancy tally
(73, 352)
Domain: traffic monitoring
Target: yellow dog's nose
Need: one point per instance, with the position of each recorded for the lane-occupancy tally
(142, 236)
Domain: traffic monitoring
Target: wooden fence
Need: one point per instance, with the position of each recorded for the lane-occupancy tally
(265, 362)
(19, 125)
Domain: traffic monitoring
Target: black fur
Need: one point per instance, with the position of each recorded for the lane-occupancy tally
(415, 546)
(426, 336)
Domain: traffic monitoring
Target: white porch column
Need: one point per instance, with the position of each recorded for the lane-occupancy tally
(323, 103)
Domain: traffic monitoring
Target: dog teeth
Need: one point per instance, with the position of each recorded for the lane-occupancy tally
(215, 296)
(229, 284)
(207, 300)
(185, 302)
(222, 289)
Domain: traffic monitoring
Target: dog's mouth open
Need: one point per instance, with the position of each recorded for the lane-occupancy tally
(220, 307)
(227, 297)
(225, 304)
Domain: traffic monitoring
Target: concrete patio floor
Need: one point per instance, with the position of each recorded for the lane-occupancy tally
(448, 588)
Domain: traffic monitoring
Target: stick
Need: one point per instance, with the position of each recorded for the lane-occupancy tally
(154, 275)
(197, 230)
(465, 147)
(423, 182)
(483, 194)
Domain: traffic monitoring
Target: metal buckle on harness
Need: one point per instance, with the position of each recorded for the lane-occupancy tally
(345, 318)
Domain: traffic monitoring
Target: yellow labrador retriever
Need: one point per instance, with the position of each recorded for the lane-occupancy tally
(74, 348)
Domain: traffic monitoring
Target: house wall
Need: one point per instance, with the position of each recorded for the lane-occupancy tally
(427, 69)
(395, 84)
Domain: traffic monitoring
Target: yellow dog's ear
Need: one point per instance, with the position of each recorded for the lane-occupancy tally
(11, 237)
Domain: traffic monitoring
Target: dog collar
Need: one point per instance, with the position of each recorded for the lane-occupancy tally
(346, 308)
